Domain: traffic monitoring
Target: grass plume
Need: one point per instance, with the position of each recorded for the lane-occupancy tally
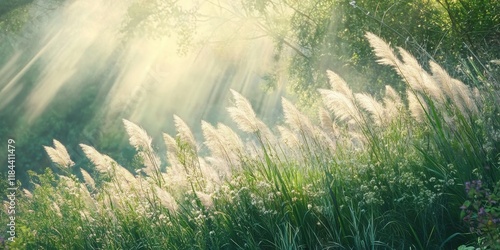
(59, 155)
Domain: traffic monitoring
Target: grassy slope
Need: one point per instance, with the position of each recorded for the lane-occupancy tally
(380, 174)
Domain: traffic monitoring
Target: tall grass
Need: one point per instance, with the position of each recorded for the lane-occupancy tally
(374, 174)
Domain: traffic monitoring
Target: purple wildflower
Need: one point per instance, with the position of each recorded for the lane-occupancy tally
(481, 211)
(478, 186)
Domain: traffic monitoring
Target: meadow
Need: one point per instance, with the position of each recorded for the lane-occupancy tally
(412, 169)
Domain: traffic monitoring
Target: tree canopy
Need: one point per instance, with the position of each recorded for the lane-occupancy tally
(316, 35)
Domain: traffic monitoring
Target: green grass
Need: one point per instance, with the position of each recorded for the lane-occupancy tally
(396, 185)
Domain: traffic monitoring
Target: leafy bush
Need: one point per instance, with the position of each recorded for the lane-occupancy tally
(481, 212)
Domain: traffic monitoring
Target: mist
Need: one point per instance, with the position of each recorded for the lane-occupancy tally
(81, 48)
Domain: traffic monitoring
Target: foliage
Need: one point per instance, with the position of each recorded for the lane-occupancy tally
(13, 14)
(16, 14)
(421, 27)
(313, 36)
(481, 212)
(357, 180)
(475, 23)
(162, 18)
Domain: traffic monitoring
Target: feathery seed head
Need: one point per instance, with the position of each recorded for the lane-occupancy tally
(476, 95)
(223, 142)
(59, 155)
(69, 182)
(288, 137)
(209, 132)
(138, 137)
(151, 162)
(368, 103)
(176, 178)
(382, 50)
(342, 106)
(213, 140)
(326, 122)
(85, 194)
(443, 79)
(418, 78)
(56, 209)
(123, 176)
(338, 84)
(409, 69)
(232, 139)
(210, 174)
(184, 132)
(27, 193)
(457, 91)
(243, 114)
(102, 162)
(295, 119)
(206, 199)
(393, 104)
(172, 149)
(88, 179)
(417, 106)
(107, 165)
(465, 98)
(170, 143)
(392, 94)
(166, 199)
